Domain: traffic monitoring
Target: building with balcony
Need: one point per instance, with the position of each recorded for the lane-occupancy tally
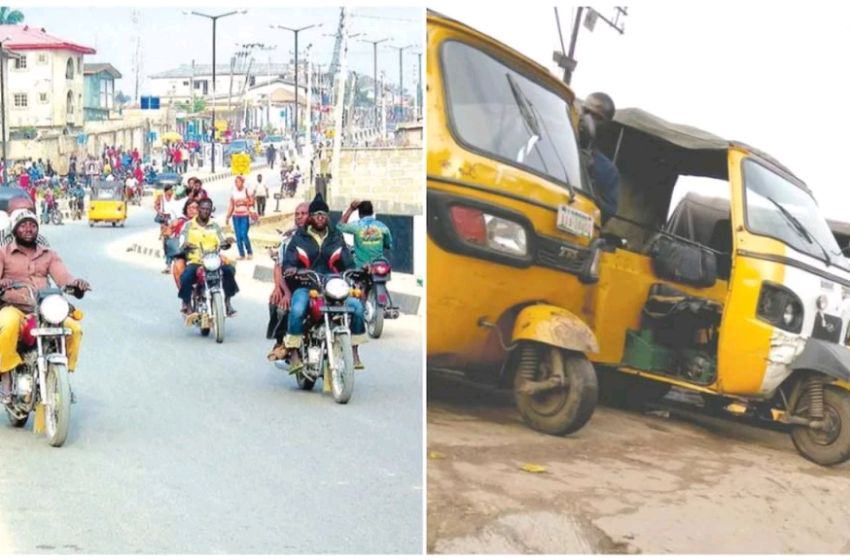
(99, 91)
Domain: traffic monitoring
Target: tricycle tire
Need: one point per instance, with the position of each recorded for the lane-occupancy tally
(572, 406)
(827, 449)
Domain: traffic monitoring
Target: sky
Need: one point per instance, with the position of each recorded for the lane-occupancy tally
(170, 38)
(773, 76)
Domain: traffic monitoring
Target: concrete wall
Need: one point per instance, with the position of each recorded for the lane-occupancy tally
(392, 178)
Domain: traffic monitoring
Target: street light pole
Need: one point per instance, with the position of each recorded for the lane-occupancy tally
(400, 73)
(375, 70)
(214, 21)
(296, 31)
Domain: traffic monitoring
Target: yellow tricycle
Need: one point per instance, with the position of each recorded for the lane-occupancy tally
(727, 283)
(108, 203)
(512, 221)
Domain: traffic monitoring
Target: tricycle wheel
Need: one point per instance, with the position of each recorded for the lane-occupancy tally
(831, 445)
(556, 391)
(627, 390)
(91, 224)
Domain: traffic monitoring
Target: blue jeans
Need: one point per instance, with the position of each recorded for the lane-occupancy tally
(189, 277)
(240, 227)
(299, 302)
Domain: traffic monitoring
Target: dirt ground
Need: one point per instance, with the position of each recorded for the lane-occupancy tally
(628, 482)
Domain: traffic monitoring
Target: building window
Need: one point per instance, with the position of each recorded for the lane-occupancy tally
(21, 63)
(186, 83)
(69, 103)
(79, 65)
(42, 97)
(21, 100)
(69, 69)
(42, 58)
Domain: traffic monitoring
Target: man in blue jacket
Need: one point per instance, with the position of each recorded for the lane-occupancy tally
(600, 107)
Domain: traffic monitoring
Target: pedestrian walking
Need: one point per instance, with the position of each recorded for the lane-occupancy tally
(262, 194)
(241, 203)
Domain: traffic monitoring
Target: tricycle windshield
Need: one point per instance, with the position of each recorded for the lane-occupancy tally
(106, 194)
(778, 208)
(498, 111)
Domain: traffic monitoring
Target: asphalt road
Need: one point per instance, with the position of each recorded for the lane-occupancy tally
(180, 445)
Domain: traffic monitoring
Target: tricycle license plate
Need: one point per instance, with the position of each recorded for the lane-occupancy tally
(575, 222)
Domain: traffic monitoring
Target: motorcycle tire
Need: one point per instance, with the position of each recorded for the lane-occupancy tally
(57, 218)
(303, 383)
(376, 325)
(57, 411)
(342, 380)
(218, 316)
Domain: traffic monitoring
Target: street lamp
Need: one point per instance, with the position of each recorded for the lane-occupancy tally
(296, 31)
(214, 20)
(400, 73)
(375, 67)
(3, 100)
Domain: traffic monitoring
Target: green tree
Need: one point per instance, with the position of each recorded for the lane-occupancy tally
(197, 105)
(8, 16)
(121, 98)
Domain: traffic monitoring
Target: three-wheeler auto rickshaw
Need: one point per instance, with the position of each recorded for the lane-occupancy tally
(108, 203)
(512, 229)
(741, 294)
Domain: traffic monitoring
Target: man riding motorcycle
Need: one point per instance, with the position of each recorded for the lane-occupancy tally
(77, 196)
(319, 247)
(281, 296)
(24, 260)
(371, 236)
(20, 203)
(201, 231)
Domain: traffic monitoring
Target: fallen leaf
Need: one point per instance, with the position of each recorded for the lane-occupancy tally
(532, 468)
(436, 455)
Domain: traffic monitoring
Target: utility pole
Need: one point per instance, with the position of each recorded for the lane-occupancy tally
(3, 101)
(137, 53)
(400, 77)
(375, 70)
(340, 99)
(309, 137)
(419, 110)
(383, 108)
(568, 62)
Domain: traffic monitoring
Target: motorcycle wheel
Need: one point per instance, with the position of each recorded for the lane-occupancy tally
(558, 411)
(218, 316)
(342, 378)
(57, 218)
(205, 332)
(57, 411)
(375, 326)
(303, 383)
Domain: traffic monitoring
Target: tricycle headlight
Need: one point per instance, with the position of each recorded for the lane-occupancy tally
(55, 309)
(212, 262)
(336, 288)
(498, 234)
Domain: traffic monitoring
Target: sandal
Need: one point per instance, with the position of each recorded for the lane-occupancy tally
(277, 353)
(358, 365)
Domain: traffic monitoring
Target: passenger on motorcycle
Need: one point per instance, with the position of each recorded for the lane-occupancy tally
(178, 264)
(281, 296)
(21, 203)
(197, 232)
(321, 248)
(24, 260)
(371, 236)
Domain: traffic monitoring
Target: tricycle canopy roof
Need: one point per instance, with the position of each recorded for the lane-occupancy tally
(687, 138)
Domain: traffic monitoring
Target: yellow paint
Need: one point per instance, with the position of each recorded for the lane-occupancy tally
(843, 384)
(737, 408)
(240, 164)
(462, 290)
(534, 469)
(108, 210)
(556, 327)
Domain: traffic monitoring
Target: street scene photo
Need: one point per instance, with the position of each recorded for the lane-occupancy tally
(212, 266)
(638, 296)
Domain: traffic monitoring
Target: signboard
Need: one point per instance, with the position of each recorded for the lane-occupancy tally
(240, 164)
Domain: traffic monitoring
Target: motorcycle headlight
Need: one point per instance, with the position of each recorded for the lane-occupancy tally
(336, 288)
(55, 309)
(212, 262)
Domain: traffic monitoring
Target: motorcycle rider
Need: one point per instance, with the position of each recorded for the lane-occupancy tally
(281, 296)
(371, 236)
(21, 203)
(313, 247)
(202, 231)
(24, 260)
(77, 196)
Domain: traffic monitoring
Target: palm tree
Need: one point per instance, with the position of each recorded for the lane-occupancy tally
(9, 16)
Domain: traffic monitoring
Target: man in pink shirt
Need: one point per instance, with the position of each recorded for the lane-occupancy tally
(24, 260)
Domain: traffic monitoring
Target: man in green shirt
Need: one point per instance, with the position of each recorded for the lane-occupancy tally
(371, 236)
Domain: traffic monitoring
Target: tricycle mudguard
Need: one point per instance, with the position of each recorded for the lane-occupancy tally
(556, 327)
(830, 359)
